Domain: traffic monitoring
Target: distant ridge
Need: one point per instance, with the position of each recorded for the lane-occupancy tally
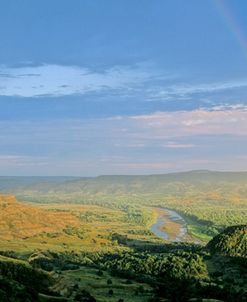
(171, 183)
(56, 178)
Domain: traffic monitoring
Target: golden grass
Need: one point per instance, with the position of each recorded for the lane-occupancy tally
(60, 227)
(21, 221)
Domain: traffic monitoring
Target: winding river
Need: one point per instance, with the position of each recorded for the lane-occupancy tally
(170, 226)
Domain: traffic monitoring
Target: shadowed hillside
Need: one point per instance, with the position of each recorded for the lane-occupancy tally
(15, 279)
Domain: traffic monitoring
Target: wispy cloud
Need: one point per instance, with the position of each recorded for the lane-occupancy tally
(176, 145)
(196, 122)
(57, 80)
(156, 142)
(9, 160)
(139, 82)
(185, 91)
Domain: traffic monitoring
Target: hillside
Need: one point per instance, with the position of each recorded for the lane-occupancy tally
(20, 182)
(73, 252)
(231, 242)
(60, 227)
(209, 200)
(18, 220)
(172, 183)
(15, 279)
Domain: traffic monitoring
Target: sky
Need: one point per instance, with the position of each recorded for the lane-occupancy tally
(98, 87)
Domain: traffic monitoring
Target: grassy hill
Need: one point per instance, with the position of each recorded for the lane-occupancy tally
(231, 242)
(18, 220)
(16, 276)
(25, 227)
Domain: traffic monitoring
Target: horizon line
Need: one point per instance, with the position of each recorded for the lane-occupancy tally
(118, 175)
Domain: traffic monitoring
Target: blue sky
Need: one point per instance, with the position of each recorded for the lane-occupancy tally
(122, 87)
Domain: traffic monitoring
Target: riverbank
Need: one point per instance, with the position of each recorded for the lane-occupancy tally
(171, 226)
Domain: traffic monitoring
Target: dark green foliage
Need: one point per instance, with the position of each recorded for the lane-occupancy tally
(180, 265)
(128, 281)
(84, 296)
(100, 273)
(121, 239)
(20, 282)
(231, 242)
(23, 273)
(42, 260)
(11, 291)
(180, 290)
(137, 215)
(175, 275)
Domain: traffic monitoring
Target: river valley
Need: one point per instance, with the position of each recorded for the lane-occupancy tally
(170, 226)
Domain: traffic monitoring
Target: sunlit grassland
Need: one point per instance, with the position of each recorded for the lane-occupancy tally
(206, 211)
(109, 251)
(91, 227)
(92, 232)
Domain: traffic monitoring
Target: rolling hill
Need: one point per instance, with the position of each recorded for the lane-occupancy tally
(231, 242)
(18, 220)
(172, 183)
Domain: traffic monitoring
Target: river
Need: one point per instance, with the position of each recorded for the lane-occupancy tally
(170, 226)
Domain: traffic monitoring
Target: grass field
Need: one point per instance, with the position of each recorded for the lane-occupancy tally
(62, 227)
(99, 286)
